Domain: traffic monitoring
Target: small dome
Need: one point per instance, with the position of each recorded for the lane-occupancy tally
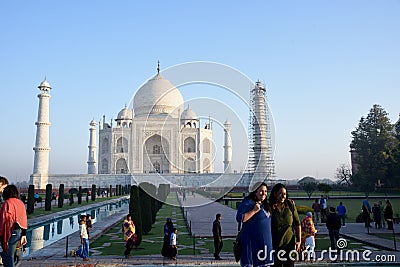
(93, 123)
(157, 96)
(44, 84)
(188, 114)
(125, 114)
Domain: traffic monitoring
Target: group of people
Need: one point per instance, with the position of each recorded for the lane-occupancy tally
(381, 214)
(13, 224)
(170, 249)
(85, 225)
(258, 215)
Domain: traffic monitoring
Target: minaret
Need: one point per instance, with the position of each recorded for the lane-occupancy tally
(227, 148)
(92, 163)
(39, 178)
(259, 129)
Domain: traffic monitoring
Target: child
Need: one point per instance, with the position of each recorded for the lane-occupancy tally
(174, 249)
(88, 224)
(18, 253)
(83, 251)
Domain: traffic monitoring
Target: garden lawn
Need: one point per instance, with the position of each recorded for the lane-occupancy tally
(111, 243)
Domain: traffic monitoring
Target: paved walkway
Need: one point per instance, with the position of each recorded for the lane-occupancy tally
(200, 213)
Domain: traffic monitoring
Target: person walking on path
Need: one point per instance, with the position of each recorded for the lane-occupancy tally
(286, 225)
(366, 210)
(317, 211)
(382, 208)
(173, 242)
(255, 236)
(168, 229)
(128, 228)
(376, 211)
(333, 225)
(217, 236)
(324, 205)
(83, 251)
(13, 224)
(341, 210)
(389, 214)
(308, 232)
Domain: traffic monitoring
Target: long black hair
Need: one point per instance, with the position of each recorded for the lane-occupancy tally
(11, 191)
(272, 199)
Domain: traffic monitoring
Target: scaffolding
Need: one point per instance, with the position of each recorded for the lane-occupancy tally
(260, 134)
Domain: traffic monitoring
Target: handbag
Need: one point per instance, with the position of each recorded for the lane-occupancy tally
(237, 247)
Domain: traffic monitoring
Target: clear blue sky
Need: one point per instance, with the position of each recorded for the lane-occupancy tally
(325, 64)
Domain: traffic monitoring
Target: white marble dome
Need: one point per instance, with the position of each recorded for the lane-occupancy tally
(157, 96)
(125, 114)
(188, 114)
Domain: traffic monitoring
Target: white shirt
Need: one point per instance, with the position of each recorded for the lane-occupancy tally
(173, 239)
(83, 230)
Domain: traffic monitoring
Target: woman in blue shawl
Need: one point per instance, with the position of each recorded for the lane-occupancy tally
(255, 239)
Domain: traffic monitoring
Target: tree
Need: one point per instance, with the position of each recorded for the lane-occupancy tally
(135, 211)
(61, 196)
(326, 188)
(343, 174)
(80, 195)
(31, 199)
(93, 192)
(309, 184)
(372, 143)
(145, 206)
(47, 201)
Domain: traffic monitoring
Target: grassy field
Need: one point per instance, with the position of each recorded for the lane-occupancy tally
(353, 206)
(39, 208)
(111, 243)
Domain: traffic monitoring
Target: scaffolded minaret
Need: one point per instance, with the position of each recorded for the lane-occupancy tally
(261, 155)
(39, 178)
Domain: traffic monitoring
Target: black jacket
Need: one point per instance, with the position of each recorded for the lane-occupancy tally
(333, 221)
(216, 229)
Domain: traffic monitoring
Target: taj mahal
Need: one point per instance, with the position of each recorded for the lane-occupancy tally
(157, 139)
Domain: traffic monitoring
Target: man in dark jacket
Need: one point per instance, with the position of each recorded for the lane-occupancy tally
(217, 236)
(333, 224)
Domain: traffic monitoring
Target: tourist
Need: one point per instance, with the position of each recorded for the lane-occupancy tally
(324, 205)
(128, 228)
(317, 211)
(173, 242)
(341, 210)
(286, 234)
(376, 211)
(388, 213)
(168, 229)
(382, 208)
(253, 213)
(13, 224)
(83, 251)
(366, 210)
(88, 224)
(3, 183)
(308, 232)
(333, 224)
(217, 236)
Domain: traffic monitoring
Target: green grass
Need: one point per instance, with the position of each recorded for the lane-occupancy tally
(111, 243)
(388, 236)
(39, 209)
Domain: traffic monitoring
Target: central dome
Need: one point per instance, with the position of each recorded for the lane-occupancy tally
(157, 96)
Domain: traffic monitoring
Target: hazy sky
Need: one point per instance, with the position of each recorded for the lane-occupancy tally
(325, 63)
